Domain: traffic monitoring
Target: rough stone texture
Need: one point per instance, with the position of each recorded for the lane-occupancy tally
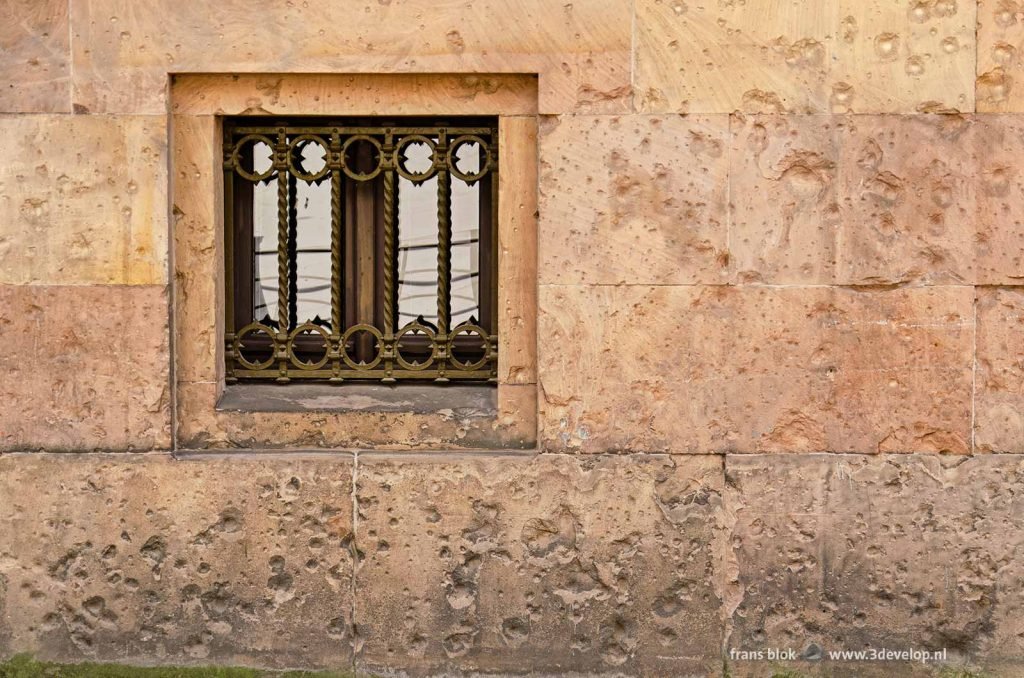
(857, 199)
(148, 559)
(756, 369)
(83, 200)
(1000, 65)
(84, 367)
(550, 563)
(841, 56)
(646, 196)
(356, 94)
(35, 58)
(896, 552)
(124, 50)
(202, 426)
(999, 382)
(999, 176)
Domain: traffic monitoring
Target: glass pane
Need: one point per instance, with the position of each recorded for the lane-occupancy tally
(313, 228)
(417, 251)
(264, 235)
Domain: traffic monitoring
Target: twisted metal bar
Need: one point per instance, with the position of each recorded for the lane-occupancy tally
(444, 249)
(293, 253)
(336, 237)
(390, 235)
(282, 250)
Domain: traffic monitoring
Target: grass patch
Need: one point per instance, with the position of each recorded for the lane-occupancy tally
(24, 666)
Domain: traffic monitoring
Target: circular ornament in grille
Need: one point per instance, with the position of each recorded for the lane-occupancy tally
(261, 350)
(415, 335)
(461, 352)
(352, 335)
(303, 166)
(299, 343)
(468, 141)
(256, 140)
(406, 162)
(350, 146)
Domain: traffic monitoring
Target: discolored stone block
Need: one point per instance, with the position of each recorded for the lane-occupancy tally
(84, 200)
(786, 216)
(123, 51)
(875, 199)
(1000, 62)
(998, 173)
(903, 57)
(999, 382)
(759, 56)
(840, 56)
(147, 559)
(644, 196)
(552, 562)
(756, 369)
(85, 367)
(899, 552)
(35, 58)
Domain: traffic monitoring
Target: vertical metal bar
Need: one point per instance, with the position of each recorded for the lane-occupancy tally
(390, 236)
(492, 290)
(281, 161)
(229, 260)
(337, 246)
(293, 251)
(444, 253)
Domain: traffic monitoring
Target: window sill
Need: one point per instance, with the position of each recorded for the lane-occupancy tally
(463, 400)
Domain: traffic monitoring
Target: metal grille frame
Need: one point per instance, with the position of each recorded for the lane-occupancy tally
(389, 364)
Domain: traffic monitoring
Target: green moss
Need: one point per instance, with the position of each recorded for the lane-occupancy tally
(24, 666)
(950, 672)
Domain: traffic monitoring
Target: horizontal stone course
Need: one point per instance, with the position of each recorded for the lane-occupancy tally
(123, 51)
(830, 56)
(756, 369)
(84, 368)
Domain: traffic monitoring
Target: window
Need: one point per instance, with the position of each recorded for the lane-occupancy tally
(361, 249)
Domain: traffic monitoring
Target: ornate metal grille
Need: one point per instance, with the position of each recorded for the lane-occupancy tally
(273, 176)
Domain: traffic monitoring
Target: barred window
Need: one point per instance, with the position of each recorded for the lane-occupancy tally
(361, 249)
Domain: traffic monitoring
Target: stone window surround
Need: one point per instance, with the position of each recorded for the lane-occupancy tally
(202, 416)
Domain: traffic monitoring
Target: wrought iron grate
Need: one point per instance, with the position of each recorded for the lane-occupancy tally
(330, 195)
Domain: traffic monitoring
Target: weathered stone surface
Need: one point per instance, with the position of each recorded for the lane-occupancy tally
(644, 196)
(83, 199)
(354, 94)
(999, 382)
(1000, 65)
(762, 56)
(123, 51)
(756, 369)
(898, 552)
(998, 145)
(547, 563)
(147, 559)
(35, 58)
(201, 425)
(85, 367)
(877, 199)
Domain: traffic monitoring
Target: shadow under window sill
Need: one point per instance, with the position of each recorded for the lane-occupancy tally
(463, 400)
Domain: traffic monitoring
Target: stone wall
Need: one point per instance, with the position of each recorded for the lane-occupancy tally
(778, 371)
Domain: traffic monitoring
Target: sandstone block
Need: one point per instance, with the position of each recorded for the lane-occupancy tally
(83, 200)
(999, 393)
(36, 57)
(85, 367)
(552, 562)
(634, 199)
(1000, 64)
(844, 552)
(840, 56)
(124, 51)
(876, 199)
(756, 369)
(147, 559)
